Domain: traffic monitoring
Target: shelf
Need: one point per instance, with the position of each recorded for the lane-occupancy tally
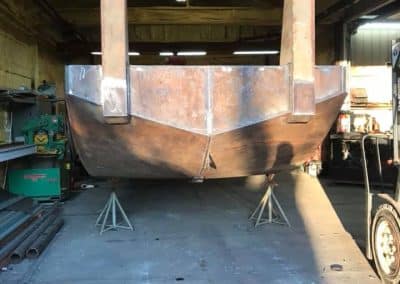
(13, 152)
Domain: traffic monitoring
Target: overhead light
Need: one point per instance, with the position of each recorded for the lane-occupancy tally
(166, 53)
(180, 1)
(132, 53)
(369, 17)
(192, 53)
(255, 52)
(380, 26)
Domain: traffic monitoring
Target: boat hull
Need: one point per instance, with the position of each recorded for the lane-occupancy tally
(176, 132)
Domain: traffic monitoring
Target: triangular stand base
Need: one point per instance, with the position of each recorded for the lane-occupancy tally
(275, 215)
(111, 208)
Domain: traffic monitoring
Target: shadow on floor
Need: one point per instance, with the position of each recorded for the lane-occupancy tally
(348, 201)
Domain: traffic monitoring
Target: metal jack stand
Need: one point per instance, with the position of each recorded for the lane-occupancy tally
(112, 205)
(269, 196)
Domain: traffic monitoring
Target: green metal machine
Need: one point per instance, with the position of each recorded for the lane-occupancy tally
(37, 183)
(45, 174)
(47, 133)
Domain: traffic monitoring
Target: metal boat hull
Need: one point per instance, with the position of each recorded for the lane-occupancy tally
(210, 122)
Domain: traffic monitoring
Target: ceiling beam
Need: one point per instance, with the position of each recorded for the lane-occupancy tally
(62, 4)
(24, 21)
(76, 48)
(348, 11)
(177, 15)
(331, 13)
(362, 8)
(387, 11)
(65, 29)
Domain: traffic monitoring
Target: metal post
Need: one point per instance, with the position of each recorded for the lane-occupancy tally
(395, 99)
(379, 163)
(397, 189)
(368, 200)
(103, 224)
(395, 106)
(115, 61)
(298, 51)
(114, 213)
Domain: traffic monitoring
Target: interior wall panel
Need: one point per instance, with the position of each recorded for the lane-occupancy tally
(372, 46)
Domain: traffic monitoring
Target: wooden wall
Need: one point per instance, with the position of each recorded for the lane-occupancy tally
(26, 64)
(17, 61)
(27, 55)
(51, 69)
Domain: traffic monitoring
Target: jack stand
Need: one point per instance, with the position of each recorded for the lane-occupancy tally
(112, 205)
(269, 196)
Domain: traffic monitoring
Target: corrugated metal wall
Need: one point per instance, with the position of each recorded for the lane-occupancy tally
(372, 46)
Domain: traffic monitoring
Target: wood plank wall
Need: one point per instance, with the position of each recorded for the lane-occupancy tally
(27, 55)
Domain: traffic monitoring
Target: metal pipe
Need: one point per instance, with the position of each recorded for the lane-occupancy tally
(368, 199)
(14, 217)
(13, 243)
(36, 229)
(4, 234)
(11, 201)
(41, 243)
(5, 216)
(379, 163)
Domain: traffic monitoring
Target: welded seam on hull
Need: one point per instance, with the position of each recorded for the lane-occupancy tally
(328, 97)
(206, 161)
(209, 116)
(209, 122)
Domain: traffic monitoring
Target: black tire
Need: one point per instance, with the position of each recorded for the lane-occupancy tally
(386, 216)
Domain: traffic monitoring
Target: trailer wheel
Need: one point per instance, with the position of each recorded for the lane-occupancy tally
(386, 243)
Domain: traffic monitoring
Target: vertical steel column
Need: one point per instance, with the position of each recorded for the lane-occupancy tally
(395, 109)
(115, 61)
(298, 51)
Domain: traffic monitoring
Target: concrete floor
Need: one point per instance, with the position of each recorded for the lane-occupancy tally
(199, 233)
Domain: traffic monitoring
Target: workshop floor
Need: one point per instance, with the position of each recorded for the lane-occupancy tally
(199, 233)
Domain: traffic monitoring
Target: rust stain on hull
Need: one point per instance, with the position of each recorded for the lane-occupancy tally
(149, 149)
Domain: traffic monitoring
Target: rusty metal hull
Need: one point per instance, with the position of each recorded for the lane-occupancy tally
(209, 122)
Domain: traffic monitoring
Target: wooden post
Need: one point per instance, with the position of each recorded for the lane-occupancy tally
(298, 51)
(115, 61)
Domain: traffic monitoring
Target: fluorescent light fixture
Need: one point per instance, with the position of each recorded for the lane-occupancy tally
(133, 53)
(380, 26)
(369, 17)
(166, 53)
(255, 52)
(192, 53)
(180, 1)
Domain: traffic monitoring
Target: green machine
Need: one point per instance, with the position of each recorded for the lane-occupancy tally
(45, 174)
(47, 133)
(38, 183)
